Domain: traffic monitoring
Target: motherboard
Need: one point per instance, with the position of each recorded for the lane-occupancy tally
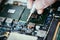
(14, 24)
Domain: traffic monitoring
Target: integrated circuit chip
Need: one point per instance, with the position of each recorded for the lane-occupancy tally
(12, 11)
(25, 15)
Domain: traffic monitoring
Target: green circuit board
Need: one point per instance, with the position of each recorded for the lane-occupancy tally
(21, 13)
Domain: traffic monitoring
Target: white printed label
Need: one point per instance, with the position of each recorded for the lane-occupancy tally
(11, 11)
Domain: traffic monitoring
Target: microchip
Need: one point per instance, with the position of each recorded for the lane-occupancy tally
(25, 15)
(12, 11)
(9, 20)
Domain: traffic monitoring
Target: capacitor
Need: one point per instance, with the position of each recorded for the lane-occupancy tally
(8, 21)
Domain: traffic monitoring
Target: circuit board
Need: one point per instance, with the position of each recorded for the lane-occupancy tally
(13, 20)
(11, 11)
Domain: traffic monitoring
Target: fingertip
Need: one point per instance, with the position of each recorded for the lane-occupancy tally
(29, 4)
(40, 11)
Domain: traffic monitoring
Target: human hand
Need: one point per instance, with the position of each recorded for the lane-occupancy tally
(40, 5)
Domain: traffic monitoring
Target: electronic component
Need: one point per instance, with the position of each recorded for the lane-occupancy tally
(17, 36)
(2, 19)
(11, 11)
(29, 31)
(31, 25)
(8, 21)
(20, 25)
(25, 15)
(37, 27)
(15, 22)
(41, 33)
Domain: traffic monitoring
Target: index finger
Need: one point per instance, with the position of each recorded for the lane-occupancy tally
(29, 4)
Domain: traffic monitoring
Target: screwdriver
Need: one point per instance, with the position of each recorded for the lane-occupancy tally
(31, 11)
